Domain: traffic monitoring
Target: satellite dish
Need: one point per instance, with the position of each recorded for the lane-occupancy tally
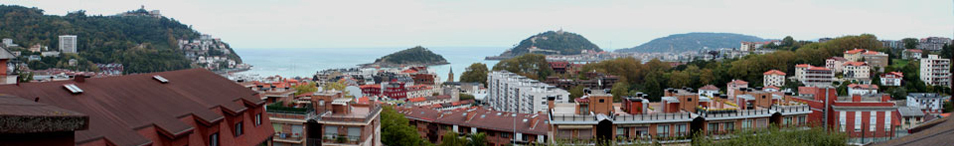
(354, 91)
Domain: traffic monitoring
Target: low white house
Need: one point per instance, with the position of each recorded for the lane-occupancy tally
(862, 89)
(892, 79)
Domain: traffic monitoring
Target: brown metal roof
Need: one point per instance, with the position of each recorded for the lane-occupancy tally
(18, 115)
(483, 119)
(935, 133)
(118, 106)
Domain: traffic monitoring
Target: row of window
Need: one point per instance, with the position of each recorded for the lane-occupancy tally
(873, 117)
(238, 130)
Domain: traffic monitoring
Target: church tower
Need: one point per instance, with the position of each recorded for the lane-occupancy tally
(450, 76)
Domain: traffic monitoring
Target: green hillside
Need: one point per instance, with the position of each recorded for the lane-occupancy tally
(553, 42)
(412, 56)
(142, 44)
(693, 42)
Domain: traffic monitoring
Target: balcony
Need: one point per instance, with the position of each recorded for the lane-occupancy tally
(287, 138)
(341, 139)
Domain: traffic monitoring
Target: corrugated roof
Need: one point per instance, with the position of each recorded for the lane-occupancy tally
(118, 106)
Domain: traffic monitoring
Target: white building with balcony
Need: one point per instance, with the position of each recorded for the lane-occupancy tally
(511, 92)
(936, 71)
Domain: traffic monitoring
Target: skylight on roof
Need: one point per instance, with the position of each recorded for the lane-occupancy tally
(160, 79)
(73, 88)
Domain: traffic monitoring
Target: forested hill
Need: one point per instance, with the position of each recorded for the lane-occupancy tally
(693, 42)
(141, 43)
(411, 56)
(552, 42)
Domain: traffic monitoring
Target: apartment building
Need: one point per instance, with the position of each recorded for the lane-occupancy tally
(773, 78)
(67, 44)
(500, 128)
(892, 79)
(814, 76)
(927, 102)
(874, 59)
(185, 107)
(835, 63)
(936, 71)
(911, 54)
(681, 112)
(862, 89)
(856, 71)
(511, 92)
(872, 116)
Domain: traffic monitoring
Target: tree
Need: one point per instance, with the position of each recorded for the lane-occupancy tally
(395, 129)
(706, 77)
(776, 136)
(948, 107)
(619, 90)
(788, 41)
(451, 138)
(654, 85)
(910, 43)
(843, 88)
(465, 97)
(305, 88)
(576, 92)
(679, 79)
(534, 66)
(476, 72)
(478, 139)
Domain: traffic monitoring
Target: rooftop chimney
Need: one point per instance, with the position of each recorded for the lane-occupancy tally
(79, 78)
(855, 98)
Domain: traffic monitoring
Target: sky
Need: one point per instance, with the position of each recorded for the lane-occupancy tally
(503, 23)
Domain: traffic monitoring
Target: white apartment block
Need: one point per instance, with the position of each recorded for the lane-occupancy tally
(862, 89)
(511, 92)
(936, 71)
(927, 102)
(892, 79)
(856, 71)
(67, 43)
(773, 78)
(813, 76)
(835, 63)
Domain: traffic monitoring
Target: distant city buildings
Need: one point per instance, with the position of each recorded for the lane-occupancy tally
(911, 54)
(936, 71)
(67, 43)
(511, 92)
(933, 43)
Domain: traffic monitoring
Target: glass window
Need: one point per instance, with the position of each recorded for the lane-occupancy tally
(857, 121)
(258, 119)
(729, 126)
(621, 131)
(278, 127)
(681, 128)
(238, 129)
(214, 139)
(746, 124)
(713, 128)
(331, 132)
(872, 122)
(662, 131)
(354, 133)
(842, 120)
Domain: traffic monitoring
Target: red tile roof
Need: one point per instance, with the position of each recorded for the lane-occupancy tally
(853, 51)
(914, 50)
(863, 86)
(119, 106)
(739, 82)
(772, 87)
(803, 65)
(838, 58)
(416, 99)
(854, 63)
(818, 68)
(482, 119)
(709, 87)
(774, 72)
(898, 74)
(872, 52)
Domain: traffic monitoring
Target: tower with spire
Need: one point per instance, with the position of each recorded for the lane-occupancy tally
(450, 76)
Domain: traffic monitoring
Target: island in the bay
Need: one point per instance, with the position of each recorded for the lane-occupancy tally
(416, 56)
(550, 43)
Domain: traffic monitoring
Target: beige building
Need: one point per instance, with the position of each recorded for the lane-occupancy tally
(936, 71)
(773, 78)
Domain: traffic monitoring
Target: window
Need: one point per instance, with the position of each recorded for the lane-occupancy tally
(762, 123)
(729, 126)
(713, 128)
(238, 129)
(277, 127)
(857, 121)
(621, 131)
(873, 121)
(801, 120)
(681, 128)
(601, 101)
(787, 121)
(354, 133)
(887, 121)
(296, 130)
(505, 135)
(662, 131)
(214, 139)
(258, 119)
(746, 124)
(331, 132)
(584, 109)
(842, 120)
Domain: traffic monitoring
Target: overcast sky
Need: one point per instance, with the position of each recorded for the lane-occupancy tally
(609, 24)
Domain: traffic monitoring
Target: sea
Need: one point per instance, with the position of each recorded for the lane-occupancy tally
(305, 62)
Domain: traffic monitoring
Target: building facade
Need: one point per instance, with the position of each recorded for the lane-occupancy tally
(927, 102)
(814, 76)
(773, 78)
(936, 71)
(857, 71)
(892, 79)
(835, 63)
(511, 92)
(67, 43)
